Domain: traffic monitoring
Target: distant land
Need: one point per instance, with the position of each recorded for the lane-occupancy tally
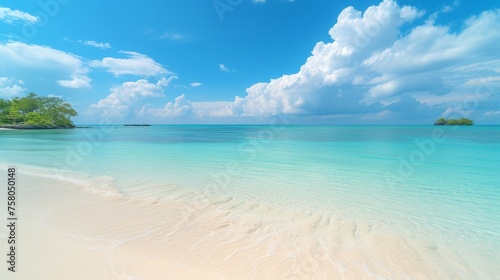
(462, 121)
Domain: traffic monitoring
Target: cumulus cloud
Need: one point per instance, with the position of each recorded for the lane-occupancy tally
(372, 66)
(78, 79)
(10, 87)
(11, 16)
(181, 107)
(127, 96)
(134, 64)
(431, 58)
(21, 56)
(355, 35)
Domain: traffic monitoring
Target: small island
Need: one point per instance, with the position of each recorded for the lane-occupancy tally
(36, 112)
(461, 121)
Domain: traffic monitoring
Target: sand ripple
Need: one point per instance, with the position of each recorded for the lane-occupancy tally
(188, 235)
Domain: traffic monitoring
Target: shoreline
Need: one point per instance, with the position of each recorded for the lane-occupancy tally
(231, 238)
(32, 127)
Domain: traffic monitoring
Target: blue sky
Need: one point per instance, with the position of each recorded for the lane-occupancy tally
(243, 61)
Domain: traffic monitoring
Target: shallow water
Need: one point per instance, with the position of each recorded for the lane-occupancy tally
(345, 192)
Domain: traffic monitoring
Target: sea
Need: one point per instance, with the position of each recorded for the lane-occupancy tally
(439, 184)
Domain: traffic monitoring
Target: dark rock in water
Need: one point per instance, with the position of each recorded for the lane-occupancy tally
(136, 125)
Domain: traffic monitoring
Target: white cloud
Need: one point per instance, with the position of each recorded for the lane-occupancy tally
(224, 68)
(434, 59)
(78, 80)
(179, 108)
(182, 107)
(10, 16)
(371, 66)
(212, 108)
(21, 56)
(176, 37)
(96, 44)
(135, 64)
(484, 80)
(196, 84)
(11, 91)
(450, 8)
(128, 95)
(354, 35)
(9, 87)
(456, 112)
(356, 32)
(492, 114)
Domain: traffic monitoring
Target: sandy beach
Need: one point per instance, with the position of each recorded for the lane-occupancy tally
(80, 228)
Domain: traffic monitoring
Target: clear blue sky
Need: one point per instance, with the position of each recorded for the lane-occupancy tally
(317, 61)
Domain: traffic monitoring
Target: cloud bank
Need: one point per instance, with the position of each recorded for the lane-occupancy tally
(124, 99)
(17, 56)
(379, 63)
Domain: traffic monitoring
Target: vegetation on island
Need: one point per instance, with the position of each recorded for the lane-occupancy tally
(461, 121)
(33, 111)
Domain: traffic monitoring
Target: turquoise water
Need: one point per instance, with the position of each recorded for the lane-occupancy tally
(441, 183)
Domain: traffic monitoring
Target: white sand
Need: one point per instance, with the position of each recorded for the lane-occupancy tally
(77, 231)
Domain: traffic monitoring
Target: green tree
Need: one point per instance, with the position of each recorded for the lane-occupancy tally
(15, 116)
(4, 110)
(33, 118)
(441, 121)
(461, 121)
(466, 121)
(37, 111)
(58, 111)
